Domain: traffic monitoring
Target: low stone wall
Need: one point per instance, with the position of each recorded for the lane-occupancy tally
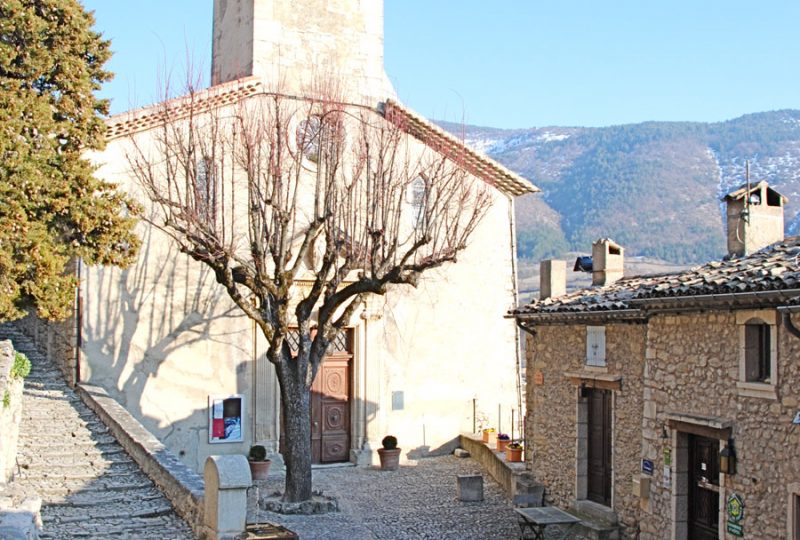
(506, 474)
(182, 486)
(10, 412)
(56, 340)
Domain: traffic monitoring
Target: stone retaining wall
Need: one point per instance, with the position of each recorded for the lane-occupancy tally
(506, 474)
(182, 486)
(56, 340)
(11, 415)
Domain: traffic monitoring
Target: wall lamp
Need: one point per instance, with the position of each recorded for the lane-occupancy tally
(727, 458)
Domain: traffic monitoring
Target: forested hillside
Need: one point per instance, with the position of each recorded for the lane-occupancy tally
(653, 187)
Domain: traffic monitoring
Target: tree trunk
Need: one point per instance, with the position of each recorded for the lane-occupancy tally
(296, 413)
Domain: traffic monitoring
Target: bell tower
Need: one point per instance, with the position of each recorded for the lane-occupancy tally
(298, 46)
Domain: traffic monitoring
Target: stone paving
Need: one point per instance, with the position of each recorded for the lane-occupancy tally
(89, 486)
(414, 502)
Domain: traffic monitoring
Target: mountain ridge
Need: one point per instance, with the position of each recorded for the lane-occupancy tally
(654, 187)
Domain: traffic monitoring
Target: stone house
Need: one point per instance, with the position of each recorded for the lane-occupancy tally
(675, 396)
(164, 340)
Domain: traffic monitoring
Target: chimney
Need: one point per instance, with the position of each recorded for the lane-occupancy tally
(552, 278)
(755, 218)
(607, 262)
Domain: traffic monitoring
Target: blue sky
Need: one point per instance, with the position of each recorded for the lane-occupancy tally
(523, 63)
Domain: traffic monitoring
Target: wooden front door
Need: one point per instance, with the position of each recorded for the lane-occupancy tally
(703, 488)
(330, 404)
(599, 447)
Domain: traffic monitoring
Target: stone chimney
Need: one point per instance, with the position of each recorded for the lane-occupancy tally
(552, 278)
(300, 46)
(755, 218)
(607, 262)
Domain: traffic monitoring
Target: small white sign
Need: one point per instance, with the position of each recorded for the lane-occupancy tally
(796, 418)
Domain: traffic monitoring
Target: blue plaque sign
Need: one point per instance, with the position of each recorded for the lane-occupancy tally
(647, 466)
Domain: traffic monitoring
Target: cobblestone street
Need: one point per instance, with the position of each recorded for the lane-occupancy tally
(414, 502)
(89, 486)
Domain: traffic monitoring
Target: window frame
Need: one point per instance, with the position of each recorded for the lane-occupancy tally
(746, 321)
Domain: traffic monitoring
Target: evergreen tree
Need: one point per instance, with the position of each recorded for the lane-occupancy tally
(51, 207)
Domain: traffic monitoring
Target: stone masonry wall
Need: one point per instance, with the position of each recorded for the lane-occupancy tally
(57, 340)
(551, 430)
(11, 415)
(693, 368)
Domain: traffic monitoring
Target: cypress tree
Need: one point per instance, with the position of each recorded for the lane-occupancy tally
(51, 207)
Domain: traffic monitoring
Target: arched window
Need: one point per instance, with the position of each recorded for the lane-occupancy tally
(205, 189)
(757, 351)
(417, 197)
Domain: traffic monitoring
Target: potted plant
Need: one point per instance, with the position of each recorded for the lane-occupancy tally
(389, 454)
(488, 433)
(514, 452)
(259, 464)
(502, 440)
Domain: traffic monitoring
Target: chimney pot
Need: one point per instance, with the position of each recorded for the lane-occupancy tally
(754, 218)
(607, 262)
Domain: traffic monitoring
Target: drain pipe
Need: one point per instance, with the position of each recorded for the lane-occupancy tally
(529, 408)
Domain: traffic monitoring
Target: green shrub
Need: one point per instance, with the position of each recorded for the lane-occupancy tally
(257, 453)
(389, 442)
(21, 367)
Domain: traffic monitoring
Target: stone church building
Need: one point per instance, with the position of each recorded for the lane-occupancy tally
(418, 363)
(668, 405)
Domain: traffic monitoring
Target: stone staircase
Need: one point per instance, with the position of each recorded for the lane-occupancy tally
(89, 486)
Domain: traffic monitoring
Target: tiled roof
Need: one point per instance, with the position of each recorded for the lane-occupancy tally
(473, 162)
(774, 268)
(487, 169)
(128, 123)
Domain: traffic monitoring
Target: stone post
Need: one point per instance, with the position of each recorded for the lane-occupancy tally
(227, 479)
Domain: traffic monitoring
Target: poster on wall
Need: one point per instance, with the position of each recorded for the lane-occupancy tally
(225, 418)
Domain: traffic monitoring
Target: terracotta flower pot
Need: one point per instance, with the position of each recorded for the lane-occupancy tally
(259, 469)
(486, 434)
(513, 454)
(501, 444)
(390, 459)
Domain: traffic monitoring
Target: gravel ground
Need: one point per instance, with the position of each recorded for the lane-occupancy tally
(417, 501)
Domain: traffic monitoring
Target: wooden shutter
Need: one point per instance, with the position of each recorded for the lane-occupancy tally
(764, 353)
(752, 352)
(596, 345)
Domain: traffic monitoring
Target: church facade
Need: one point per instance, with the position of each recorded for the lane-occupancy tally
(422, 363)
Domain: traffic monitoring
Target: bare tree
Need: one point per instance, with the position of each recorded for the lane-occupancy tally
(302, 208)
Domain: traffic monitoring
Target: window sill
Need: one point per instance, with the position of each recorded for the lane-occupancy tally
(757, 390)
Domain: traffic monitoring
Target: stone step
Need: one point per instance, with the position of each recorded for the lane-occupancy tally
(90, 498)
(104, 511)
(88, 442)
(78, 469)
(51, 489)
(96, 459)
(89, 486)
(162, 527)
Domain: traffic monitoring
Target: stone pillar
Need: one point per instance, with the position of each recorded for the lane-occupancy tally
(226, 479)
(370, 369)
